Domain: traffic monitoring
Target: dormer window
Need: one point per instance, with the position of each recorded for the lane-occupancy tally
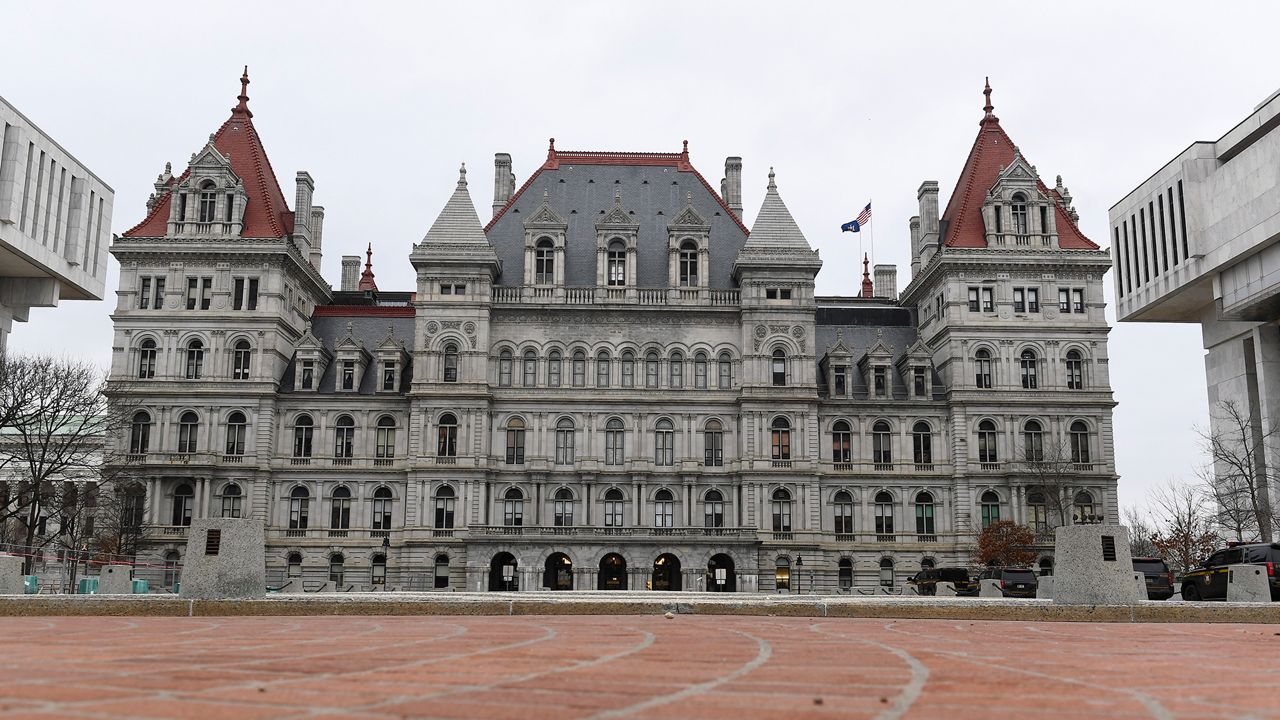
(544, 262)
(840, 386)
(348, 375)
(308, 379)
(688, 264)
(389, 374)
(617, 264)
(1019, 210)
(880, 381)
(919, 382)
(208, 201)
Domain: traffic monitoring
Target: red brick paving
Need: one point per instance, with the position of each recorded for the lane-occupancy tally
(568, 667)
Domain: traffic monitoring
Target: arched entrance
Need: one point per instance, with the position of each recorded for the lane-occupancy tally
(666, 573)
(559, 572)
(613, 572)
(720, 574)
(503, 573)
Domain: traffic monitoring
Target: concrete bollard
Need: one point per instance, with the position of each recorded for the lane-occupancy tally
(1248, 583)
(224, 560)
(945, 589)
(1094, 565)
(12, 581)
(1044, 590)
(990, 588)
(115, 580)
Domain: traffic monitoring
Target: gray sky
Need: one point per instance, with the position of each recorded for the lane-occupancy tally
(849, 102)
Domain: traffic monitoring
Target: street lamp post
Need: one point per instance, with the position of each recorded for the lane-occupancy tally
(386, 559)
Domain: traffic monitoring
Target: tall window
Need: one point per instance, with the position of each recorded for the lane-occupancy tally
(188, 432)
(1080, 442)
(513, 507)
(183, 499)
(778, 367)
(579, 368)
(348, 374)
(780, 502)
(919, 384)
(344, 433)
(886, 565)
(884, 513)
(724, 372)
(240, 360)
(563, 508)
(451, 363)
(1019, 209)
(982, 367)
(924, 514)
(389, 373)
(843, 506)
(663, 443)
(1075, 370)
(140, 433)
(442, 571)
(504, 369)
(208, 201)
(676, 367)
(1084, 509)
(555, 364)
(688, 264)
(544, 262)
(614, 442)
(604, 369)
(1038, 510)
(990, 508)
(529, 366)
(841, 442)
(713, 444)
(445, 499)
(987, 452)
(147, 359)
(340, 508)
(294, 563)
(299, 508)
(663, 509)
(378, 570)
(651, 370)
(236, 431)
(1033, 441)
(780, 438)
(337, 569)
(195, 360)
(713, 509)
(385, 447)
(302, 434)
(628, 370)
(616, 270)
(782, 573)
(231, 497)
(382, 502)
(564, 441)
(881, 443)
(922, 443)
(308, 379)
(700, 371)
(880, 381)
(447, 436)
(613, 508)
(515, 441)
(1030, 375)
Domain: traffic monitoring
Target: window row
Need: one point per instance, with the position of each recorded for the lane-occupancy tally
(1029, 371)
(1025, 300)
(193, 357)
(650, 371)
(237, 428)
(199, 292)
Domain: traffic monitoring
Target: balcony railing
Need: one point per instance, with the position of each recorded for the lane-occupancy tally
(383, 462)
(843, 467)
(446, 460)
(590, 531)
(782, 463)
(989, 466)
(300, 461)
(232, 459)
(342, 462)
(884, 467)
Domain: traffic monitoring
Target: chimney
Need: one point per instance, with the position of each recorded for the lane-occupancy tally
(504, 182)
(350, 273)
(886, 282)
(928, 197)
(731, 186)
(914, 225)
(302, 212)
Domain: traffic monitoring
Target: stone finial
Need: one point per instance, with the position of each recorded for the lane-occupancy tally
(868, 288)
(243, 107)
(462, 176)
(988, 116)
(551, 149)
(772, 185)
(350, 328)
(168, 168)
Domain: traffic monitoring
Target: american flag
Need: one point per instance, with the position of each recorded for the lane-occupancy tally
(865, 216)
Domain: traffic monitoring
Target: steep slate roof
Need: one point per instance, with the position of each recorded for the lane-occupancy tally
(774, 227)
(993, 151)
(860, 328)
(371, 331)
(580, 187)
(266, 214)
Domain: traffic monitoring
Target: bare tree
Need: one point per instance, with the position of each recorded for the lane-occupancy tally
(1005, 543)
(1053, 471)
(1141, 534)
(1185, 524)
(1237, 445)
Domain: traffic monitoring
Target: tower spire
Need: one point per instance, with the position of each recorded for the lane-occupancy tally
(366, 278)
(243, 97)
(986, 109)
(868, 290)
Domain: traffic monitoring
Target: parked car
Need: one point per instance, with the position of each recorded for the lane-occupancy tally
(926, 581)
(1014, 582)
(1159, 577)
(1209, 581)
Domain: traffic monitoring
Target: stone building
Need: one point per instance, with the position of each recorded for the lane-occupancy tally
(615, 382)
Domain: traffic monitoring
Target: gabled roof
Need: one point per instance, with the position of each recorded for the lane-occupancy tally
(992, 151)
(266, 214)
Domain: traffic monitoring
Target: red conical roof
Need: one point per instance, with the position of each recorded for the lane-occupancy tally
(992, 152)
(266, 214)
(366, 278)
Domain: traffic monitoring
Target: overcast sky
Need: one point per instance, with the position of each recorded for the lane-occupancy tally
(849, 102)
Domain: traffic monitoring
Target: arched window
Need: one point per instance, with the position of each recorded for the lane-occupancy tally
(236, 432)
(615, 443)
(841, 442)
(713, 509)
(340, 508)
(504, 368)
(564, 441)
(843, 506)
(513, 507)
(1085, 512)
(579, 368)
(922, 443)
(982, 368)
(780, 501)
(1030, 372)
(628, 369)
(884, 513)
(616, 267)
(700, 371)
(442, 571)
(713, 444)
(1080, 442)
(445, 498)
(544, 262)
(724, 372)
(336, 569)
(385, 446)
(987, 442)
(881, 443)
(447, 436)
(173, 570)
(664, 443)
(563, 508)
(613, 508)
(231, 497)
(140, 433)
(450, 363)
(240, 359)
(295, 565)
(778, 367)
(1075, 370)
(1039, 512)
(663, 509)
(378, 570)
(676, 367)
(182, 502)
(780, 438)
(195, 360)
(299, 508)
(515, 441)
(604, 370)
(147, 359)
(302, 434)
(886, 572)
(1033, 441)
(782, 573)
(555, 365)
(651, 369)
(529, 367)
(1019, 210)
(924, 514)
(990, 508)
(188, 432)
(382, 503)
(846, 574)
(344, 433)
(208, 201)
(688, 264)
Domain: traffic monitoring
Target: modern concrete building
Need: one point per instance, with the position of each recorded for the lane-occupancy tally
(1199, 242)
(617, 381)
(55, 223)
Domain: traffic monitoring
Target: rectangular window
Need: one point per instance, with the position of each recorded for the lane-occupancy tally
(880, 380)
(771, 293)
(840, 376)
(973, 299)
(784, 294)
(459, 289)
(1077, 300)
(1033, 300)
(1019, 300)
(245, 294)
(988, 300)
(388, 374)
(144, 294)
(308, 374)
(348, 374)
(446, 289)
(159, 295)
(1128, 266)
(919, 383)
(1115, 251)
(206, 292)
(714, 451)
(238, 298)
(1064, 300)
(193, 290)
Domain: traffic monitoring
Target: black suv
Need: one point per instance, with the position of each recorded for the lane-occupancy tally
(1159, 577)
(926, 581)
(1209, 581)
(1014, 582)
